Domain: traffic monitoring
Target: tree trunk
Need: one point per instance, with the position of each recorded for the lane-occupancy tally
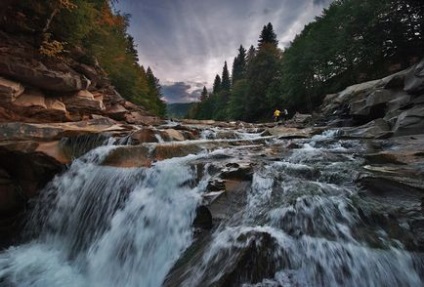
(49, 20)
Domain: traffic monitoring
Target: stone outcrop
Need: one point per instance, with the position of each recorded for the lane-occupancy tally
(41, 90)
(398, 99)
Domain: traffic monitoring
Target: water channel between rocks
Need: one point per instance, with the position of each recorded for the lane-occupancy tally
(286, 212)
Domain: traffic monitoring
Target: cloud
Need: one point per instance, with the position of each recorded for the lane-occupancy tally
(188, 41)
(181, 92)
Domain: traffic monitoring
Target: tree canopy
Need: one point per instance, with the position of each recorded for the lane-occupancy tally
(351, 42)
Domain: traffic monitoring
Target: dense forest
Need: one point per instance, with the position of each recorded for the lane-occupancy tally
(91, 32)
(351, 42)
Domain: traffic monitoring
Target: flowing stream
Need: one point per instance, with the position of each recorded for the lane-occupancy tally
(299, 220)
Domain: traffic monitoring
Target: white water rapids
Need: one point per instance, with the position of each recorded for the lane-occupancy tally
(104, 226)
(299, 223)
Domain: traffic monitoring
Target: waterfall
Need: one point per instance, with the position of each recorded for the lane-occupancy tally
(293, 218)
(104, 226)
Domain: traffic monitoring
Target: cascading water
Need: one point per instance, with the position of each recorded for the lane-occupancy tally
(302, 227)
(299, 220)
(104, 226)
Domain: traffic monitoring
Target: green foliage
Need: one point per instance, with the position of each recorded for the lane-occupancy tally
(268, 36)
(217, 84)
(225, 82)
(239, 66)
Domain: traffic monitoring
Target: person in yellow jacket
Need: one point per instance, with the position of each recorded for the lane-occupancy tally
(277, 114)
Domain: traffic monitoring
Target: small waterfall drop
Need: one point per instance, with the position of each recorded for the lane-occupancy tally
(96, 225)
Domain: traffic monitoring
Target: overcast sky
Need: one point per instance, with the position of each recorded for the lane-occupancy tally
(186, 42)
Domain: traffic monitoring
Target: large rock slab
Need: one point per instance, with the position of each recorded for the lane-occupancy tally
(410, 121)
(9, 90)
(38, 75)
(414, 80)
(375, 129)
(16, 131)
(84, 102)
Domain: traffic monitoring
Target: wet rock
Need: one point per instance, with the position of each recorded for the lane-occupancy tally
(164, 151)
(216, 185)
(253, 262)
(397, 180)
(375, 129)
(28, 168)
(410, 121)
(203, 219)
(285, 132)
(239, 171)
(174, 135)
(144, 135)
(128, 157)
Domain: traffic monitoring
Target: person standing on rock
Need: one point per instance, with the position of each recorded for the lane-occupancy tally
(277, 114)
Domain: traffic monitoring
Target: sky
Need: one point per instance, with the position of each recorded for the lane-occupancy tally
(186, 42)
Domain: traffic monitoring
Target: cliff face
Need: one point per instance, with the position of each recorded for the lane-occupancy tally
(41, 89)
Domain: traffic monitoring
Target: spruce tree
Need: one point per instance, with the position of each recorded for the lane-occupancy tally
(250, 56)
(204, 94)
(267, 36)
(217, 85)
(225, 82)
(239, 66)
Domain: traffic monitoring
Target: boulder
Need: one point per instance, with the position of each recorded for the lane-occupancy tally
(414, 80)
(116, 112)
(174, 135)
(140, 118)
(128, 157)
(83, 102)
(144, 135)
(33, 72)
(238, 171)
(9, 90)
(28, 168)
(410, 121)
(287, 133)
(378, 128)
(111, 97)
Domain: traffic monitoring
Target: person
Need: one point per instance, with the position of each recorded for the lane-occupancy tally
(286, 114)
(277, 114)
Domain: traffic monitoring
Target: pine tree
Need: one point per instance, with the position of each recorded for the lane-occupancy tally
(239, 66)
(225, 82)
(267, 36)
(204, 94)
(250, 55)
(217, 85)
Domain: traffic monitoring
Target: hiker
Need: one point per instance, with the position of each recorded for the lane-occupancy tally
(277, 114)
(286, 114)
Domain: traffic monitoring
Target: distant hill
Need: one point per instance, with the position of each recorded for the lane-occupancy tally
(178, 110)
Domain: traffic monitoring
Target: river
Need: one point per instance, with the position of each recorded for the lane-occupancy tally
(298, 218)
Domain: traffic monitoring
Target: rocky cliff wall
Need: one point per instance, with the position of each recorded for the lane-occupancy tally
(41, 89)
